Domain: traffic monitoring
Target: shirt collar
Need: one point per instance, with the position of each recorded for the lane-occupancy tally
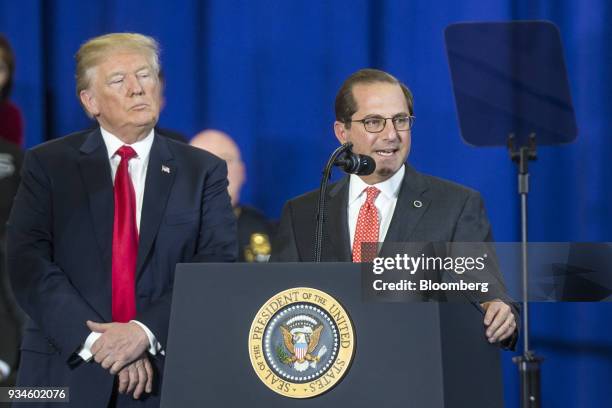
(389, 188)
(141, 147)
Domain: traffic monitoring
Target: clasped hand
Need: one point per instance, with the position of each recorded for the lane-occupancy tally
(119, 344)
(136, 377)
(121, 350)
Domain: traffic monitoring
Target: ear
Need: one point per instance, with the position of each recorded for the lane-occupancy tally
(341, 132)
(89, 102)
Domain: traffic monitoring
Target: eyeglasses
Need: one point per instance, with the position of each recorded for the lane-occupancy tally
(376, 124)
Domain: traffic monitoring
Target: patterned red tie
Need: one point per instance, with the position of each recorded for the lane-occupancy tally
(367, 225)
(125, 241)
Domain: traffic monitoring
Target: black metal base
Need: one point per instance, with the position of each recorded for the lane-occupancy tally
(529, 372)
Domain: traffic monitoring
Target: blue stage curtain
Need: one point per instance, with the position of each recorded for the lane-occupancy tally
(267, 73)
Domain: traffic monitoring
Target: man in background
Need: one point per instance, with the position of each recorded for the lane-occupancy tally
(254, 230)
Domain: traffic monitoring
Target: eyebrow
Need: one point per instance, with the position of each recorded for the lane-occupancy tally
(123, 73)
(377, 115)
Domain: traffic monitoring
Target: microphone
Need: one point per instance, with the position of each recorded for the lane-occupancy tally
(350, 163)
(353, 163)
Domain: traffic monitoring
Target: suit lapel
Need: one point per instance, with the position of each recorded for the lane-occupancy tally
(410, 207)
(96, 174)
(337, 223)
(160, 176)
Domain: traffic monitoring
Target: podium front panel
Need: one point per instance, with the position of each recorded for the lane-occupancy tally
(403, 351)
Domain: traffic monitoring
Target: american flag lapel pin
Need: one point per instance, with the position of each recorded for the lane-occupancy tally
(165, 169)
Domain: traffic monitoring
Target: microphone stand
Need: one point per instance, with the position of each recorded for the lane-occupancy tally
(528, 363)
(322, 202)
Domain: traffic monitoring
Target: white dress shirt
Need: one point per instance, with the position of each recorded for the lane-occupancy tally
(385, 202)
(137, 168)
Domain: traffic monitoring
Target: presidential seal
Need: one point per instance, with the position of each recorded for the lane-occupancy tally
(301, 343)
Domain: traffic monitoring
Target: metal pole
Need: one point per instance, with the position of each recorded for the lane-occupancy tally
(528, 363)
(322, 202)
(523, 190)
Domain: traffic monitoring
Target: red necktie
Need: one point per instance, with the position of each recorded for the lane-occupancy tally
(125, 241)
(367, 224)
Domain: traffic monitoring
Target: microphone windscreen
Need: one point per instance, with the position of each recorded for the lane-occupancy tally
(367, 165)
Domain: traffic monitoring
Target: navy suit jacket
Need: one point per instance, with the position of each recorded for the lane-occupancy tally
(60, 248)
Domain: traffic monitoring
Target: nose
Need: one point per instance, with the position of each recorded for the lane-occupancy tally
(389, 132)
(134, 85)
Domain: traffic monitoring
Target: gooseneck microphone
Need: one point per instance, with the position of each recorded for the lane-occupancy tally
(350, 163)
(353, 163)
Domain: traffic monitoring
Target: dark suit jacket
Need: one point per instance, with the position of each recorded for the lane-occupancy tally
(448, 212)
(60, 246)
(11, 158)
(10, 328)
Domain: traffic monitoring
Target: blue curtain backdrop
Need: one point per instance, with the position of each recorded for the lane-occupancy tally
(267, 73)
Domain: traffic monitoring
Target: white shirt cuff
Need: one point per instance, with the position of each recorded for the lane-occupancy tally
(85, 352)
(5, 370)
(154, 345)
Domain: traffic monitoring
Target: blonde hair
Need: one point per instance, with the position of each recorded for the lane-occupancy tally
(94, 51)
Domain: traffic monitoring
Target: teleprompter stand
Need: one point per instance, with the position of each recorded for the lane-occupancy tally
(510, 86)
(528, 363)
